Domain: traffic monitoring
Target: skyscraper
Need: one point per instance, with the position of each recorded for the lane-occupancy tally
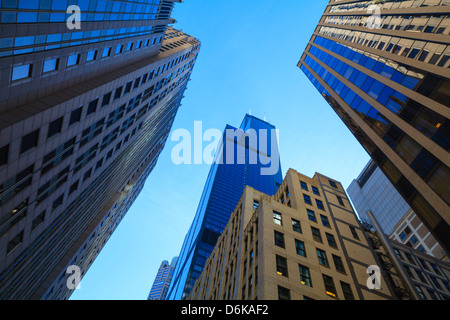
(84, 115)
(373, 191)
(241, 160)
(383, 68)
(162, 280)
(306, 243)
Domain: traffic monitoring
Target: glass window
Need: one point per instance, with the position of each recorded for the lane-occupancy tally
(311, 215)
(330, 289)
(320, 204)
(50, 65)
(296, 226)
(305, 275)
(279, 239)
(307, 199)
(91, 56)
(315, 190)
(281, 266)
(331, 240)
(277, 218)
(322, 257)
(4, 152)
(316, 234)
(304, 185)
(300, 248)
(21, 72)
(73, 60)
(29, 141)
(325, 221)
(283, 293)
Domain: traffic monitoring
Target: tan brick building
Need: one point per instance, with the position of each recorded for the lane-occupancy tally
(303, 243)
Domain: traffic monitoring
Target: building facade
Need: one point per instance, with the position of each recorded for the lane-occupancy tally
(238, 163)
(162, 280)
(307, 243)
(418, 276)
(303, 243)
(84, 116)
(373, 191)
(383, 68)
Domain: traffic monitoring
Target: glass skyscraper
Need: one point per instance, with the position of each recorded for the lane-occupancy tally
(384, 68)
(162, 280)
(223, 189)
(84, 116)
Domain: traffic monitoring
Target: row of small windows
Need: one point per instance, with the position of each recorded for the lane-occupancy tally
(296, 226)
(306, 279)
(55, 11)
(26, 71)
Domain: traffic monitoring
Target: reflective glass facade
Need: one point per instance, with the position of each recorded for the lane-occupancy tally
(82, 125)
(222, 192)
(391, 87)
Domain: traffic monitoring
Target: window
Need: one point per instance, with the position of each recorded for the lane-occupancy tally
(50, 65)
(338, 264)
(311, 215)
(320, 204)
(300, 248)
(106, 52)
(38, 220)
(333, 184)
(322, 257)
(255, 205)
(91, 56)
(15, 242)
(283, 293)
(341, 202)
(282, 269)
(55, 127)
(74, 187)
(4, 153)
(307, 199)
(353, 230)
(325, 221)
(277, 218)
(118, 93)
(305, 275)
(304, 185)
(316, 234)
(347, 291)
(29, 141)
(279, 239)
(106, 99)
(330, 289)
(87, 175)
(331, 240)
(58, 202)
(22, 72)
(420, 291)
(315, 190)
(296, 226)
(73, 60)
(75, 116)
(92, 107)
(119, 49)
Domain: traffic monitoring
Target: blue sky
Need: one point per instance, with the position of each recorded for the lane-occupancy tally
(248, 61)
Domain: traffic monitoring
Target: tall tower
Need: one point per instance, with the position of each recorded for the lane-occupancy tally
(84, 115)
(384, 68)
(162, 280)
(224, 186)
